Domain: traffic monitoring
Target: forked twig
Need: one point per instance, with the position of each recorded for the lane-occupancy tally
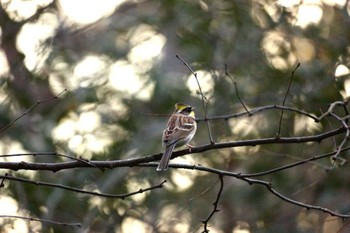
(204, 99)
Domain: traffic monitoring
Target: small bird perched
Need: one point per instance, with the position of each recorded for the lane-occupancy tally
(179, 130)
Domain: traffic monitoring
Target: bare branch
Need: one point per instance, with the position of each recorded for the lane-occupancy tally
(121, 196)
(215, 204)
(236, 89)
(285, 97)
(41, 220)
(141, 161)
(304, 161)
(80, 159)
(268, 186)
(258, 110)
(30, 109)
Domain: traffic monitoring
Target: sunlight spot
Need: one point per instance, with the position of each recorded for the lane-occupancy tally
(20, 10)
(65, 129)
(309, 14)
(206, 82)
(288, 3)
(84, 132)
(4, 67)
(182, 179)
(136, 184)
(278, 50)
(304, 49)
(337, 3)
(175, 218)
(148, 44)
(242, 227)
(89, 72)
(76, 144)
(133, 225)
(31, 39)
(346, 92)
(249, 125)
(305, 124)
(124, 77)
(341, 70)
(88, 122)
(86, 12)
(97, 144)
(272, 9)
(89, 66)
(9, 206)
(9, 146)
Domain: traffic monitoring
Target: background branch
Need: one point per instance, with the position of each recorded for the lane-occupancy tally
(215, 205)
(31, 109)
(236, 89)
(42, 220)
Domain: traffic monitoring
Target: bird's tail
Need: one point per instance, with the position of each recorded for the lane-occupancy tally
(164, 162)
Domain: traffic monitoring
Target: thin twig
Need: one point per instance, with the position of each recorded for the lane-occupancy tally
(295, 164)
(215, 204)
(335, 157)
(236, 89)
(258, 110)
(2, 183)
(46, 184)
(284, 99)
(41, 220)
(204, 99)
(30, 109)
(344, 122)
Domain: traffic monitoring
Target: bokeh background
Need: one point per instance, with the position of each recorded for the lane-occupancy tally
(117, 60)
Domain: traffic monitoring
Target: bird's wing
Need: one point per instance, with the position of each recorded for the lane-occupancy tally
(179, 127)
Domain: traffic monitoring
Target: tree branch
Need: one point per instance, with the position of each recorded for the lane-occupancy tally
(30, 109)
(41, 220)
(146, 159)
(268, 186)
(258, 110)
(236, 89)
(46, 184)
(215, 204)
(285, 98)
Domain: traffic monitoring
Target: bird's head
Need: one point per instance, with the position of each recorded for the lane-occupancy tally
(184, 109)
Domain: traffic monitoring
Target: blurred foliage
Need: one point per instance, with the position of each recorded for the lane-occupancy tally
(121, 90)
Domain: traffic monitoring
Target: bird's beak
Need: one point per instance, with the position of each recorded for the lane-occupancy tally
(193, 108)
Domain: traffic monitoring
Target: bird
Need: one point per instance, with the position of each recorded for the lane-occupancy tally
(179, 130)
